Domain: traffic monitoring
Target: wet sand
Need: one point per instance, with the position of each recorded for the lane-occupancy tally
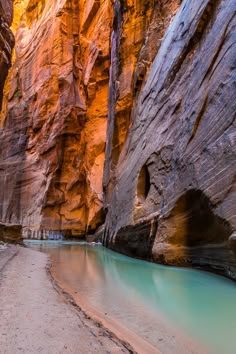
(36, 316)
(39, 313)
(134, 343)
(173, 340)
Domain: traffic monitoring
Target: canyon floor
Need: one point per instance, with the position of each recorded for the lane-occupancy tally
(38, 315)
(37, 318)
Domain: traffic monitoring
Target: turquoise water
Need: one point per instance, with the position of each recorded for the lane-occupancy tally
(134, 292)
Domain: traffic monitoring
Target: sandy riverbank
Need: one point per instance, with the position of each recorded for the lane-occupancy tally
(173, 340)
(132, 341)
(35, 318)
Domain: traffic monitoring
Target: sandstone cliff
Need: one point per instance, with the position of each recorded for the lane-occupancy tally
(124, 109)
(172, 197)
(53, 139)
(138, 28)
(6, 42)
(56, 108)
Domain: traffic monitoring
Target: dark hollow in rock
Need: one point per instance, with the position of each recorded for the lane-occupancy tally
(195, 222)
(232, 242)
(136, 240)
(144, 184)
(193, 235)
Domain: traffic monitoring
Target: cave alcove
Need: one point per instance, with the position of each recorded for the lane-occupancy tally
(195, 221)
(144, 184)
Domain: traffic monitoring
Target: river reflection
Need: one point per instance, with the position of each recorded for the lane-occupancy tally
(135, 293)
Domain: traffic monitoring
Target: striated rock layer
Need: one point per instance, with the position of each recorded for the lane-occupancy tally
(6, 42)
(158, 77)
(56, 105)
(53, 138)
(138, 28)
(171, 193)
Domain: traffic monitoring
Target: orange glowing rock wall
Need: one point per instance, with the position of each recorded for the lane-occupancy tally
(6, 42)
(53, 139)
(123, 112)
(56, 106)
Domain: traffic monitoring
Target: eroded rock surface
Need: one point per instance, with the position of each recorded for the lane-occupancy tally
(55, 124)
(138, 29)
(178, 161)
(159, 78)
(53, 138)
(6, 42)
(10, 233)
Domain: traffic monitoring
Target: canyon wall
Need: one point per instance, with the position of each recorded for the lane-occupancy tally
(53, 133)
(124, 112)
(54, 118)
(170, 189)
(6, 42)
(138, 28)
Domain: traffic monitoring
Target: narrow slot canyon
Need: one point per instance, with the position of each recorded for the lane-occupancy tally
(117, 153)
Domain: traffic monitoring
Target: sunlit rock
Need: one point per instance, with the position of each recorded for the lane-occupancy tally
(6, 42)
(122, 113)
(55, 125)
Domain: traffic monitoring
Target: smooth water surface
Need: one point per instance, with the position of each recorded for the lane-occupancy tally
(135, 293)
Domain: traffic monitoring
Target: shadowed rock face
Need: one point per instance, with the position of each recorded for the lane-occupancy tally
(182, 131)
(10, 233)
(6, 42)
(54, 131)
(138, 29)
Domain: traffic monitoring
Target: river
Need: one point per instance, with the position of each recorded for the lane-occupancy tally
(140, 296)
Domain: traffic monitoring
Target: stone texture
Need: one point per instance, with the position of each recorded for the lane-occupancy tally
(6, 42)
(97, 236)
(10, 233)
(53, 137)
(55, 114)
(182, 133)
(136, 241)
(159, 77)
(138, 28)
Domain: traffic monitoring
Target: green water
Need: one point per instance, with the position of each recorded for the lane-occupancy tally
(135, 293)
